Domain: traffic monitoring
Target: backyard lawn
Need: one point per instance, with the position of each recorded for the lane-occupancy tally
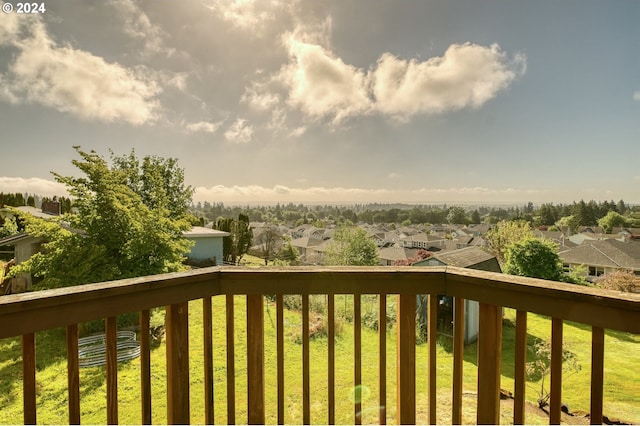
(622, 380)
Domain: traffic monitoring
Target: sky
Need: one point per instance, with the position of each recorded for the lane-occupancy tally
(340, 102)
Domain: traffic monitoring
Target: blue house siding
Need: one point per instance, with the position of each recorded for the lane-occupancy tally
(207, 244)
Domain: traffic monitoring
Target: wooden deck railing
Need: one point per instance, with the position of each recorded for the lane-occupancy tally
(32, 312)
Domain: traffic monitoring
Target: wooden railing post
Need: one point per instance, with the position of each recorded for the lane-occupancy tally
(520, 368)
(29, 378)
(489, 364)
(458, 358)
(145, 366)
(597, 374)
(406, 359)
(255, 358)
(555, 379)
(73, 374)
(177, 334)
(111, 329)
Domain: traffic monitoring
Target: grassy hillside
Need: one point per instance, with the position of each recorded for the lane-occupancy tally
(622, 391)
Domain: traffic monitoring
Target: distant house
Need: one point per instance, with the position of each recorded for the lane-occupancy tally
(603, 256)
(208, 245)
(390, 255)
(423, 241)
(471, 258)
(24, 245)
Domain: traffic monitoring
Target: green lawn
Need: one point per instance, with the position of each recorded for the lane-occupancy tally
(622, 389)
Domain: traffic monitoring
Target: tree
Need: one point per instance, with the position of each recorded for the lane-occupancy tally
(237, 244)
(352, 246)
(540, 367)
(457, 215)
(288, 253)
(270, 242)
(158, 181)
(611, 220)
(619, 280)
(475, 217)
(533, 257)
(504, 234)
(113, 235)
(570, 222)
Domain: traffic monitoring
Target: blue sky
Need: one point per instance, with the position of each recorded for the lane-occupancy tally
(332, 102)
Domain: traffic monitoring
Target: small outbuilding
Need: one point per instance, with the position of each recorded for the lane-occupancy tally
(208, 247)
(471, 258)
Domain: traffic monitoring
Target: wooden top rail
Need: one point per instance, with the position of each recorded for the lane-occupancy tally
(29, 312)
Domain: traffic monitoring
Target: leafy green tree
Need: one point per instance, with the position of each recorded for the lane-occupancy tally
(505, 233)
(8, 226)
(611, 220)
(533, 257)
(113, 235)
(237, 244)
(352, 246)
(457, 215)
(570, 222)
(158, 181)
(475, 217)
(288, 254)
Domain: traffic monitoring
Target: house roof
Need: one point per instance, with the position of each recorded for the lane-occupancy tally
(202, 232)
(396, 253)
(306, 242)
(467, 257)
(14, 239)
(607, 253)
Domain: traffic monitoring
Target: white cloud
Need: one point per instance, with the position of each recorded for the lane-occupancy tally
(39, 186)
(279, 193)
(137, 25)
(246, 14)
(202, 127)
(259, 99)
(72, 80)
(323, 86)
(239, 132)
(636, 96)
(468, 75)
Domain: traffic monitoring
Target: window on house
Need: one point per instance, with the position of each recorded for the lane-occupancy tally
(596, 271)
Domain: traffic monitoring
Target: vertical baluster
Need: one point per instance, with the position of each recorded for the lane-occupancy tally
(145, 366)
(458, 357)
(280, 356)
(406, 359)
(73, 374)
(177, 320)
(520, 371)
(231, 370)
(29, 378)
(597, 374)
(382, 360)
(207, 325)
(331, 343)
(112, 370)
(255, 359)
(432, 328)
(306, 392)
(555, 404)
(357, 358)
(489, 364)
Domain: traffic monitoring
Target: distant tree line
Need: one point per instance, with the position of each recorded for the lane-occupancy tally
(547, 214)
(18, 199)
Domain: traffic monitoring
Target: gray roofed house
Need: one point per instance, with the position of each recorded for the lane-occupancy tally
(389, 255)
(604, 256)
